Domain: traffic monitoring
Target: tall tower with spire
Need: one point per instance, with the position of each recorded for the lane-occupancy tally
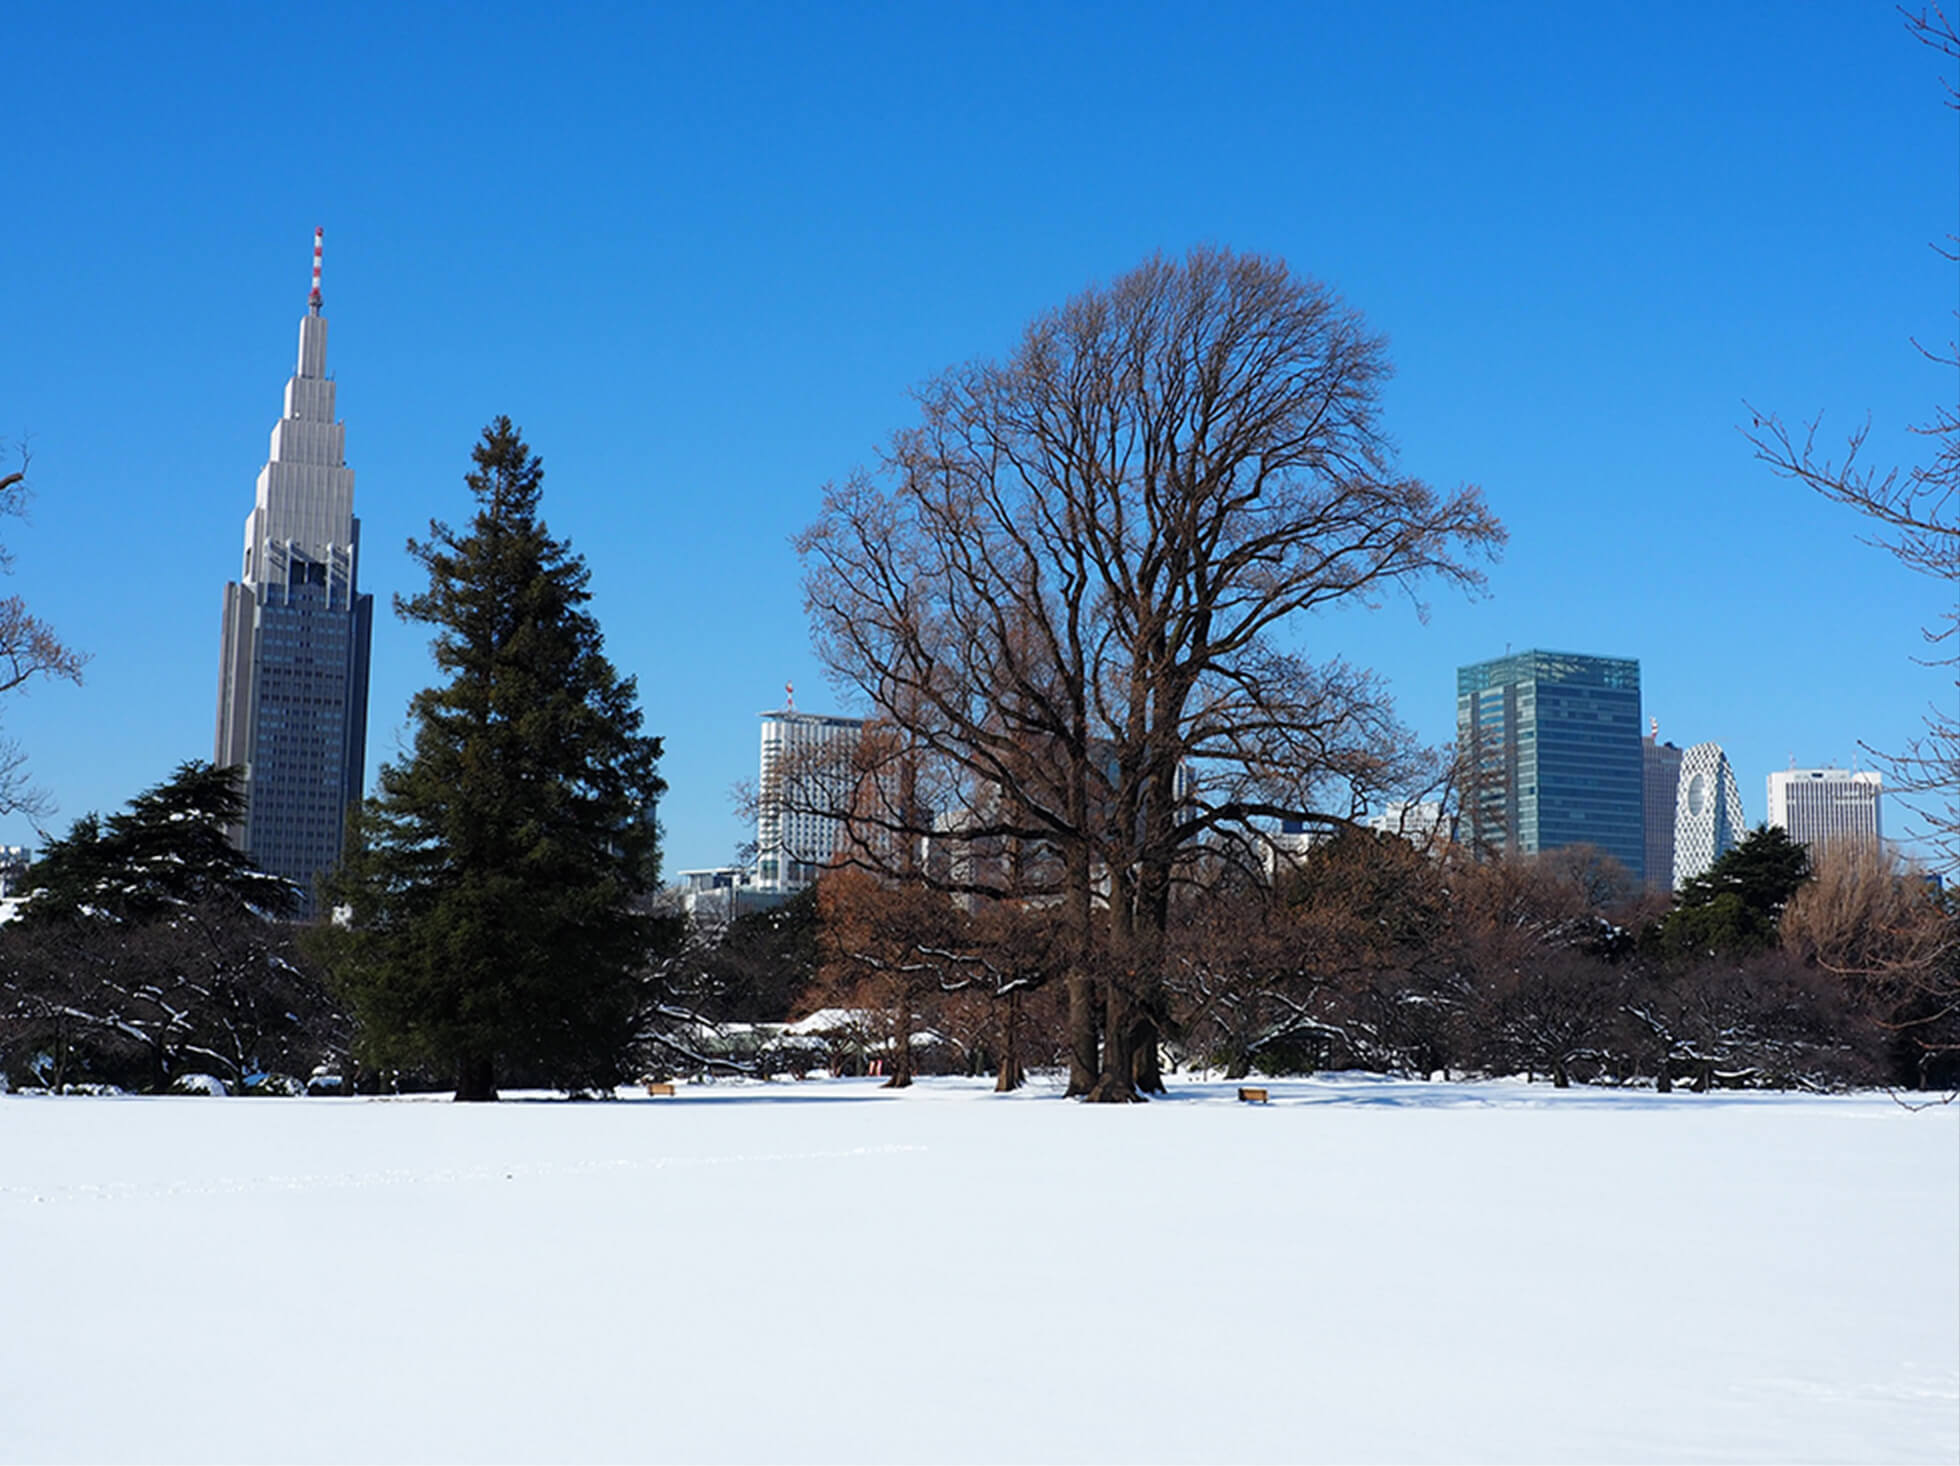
(293, 674)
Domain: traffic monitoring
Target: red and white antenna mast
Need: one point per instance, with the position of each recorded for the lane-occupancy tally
(319, 246)
(789, 692)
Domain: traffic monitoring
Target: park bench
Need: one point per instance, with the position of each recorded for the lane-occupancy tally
(659, 1087)
(1252, 1096)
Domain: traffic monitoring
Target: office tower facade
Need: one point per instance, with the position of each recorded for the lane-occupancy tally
(1552, 755)
(1708, 820)
(1823, 807)
(293, 671)
(1660, 782)
(806, 783)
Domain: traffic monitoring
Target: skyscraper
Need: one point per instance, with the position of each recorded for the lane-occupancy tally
(1819, 807)
(1662, 779)
(293, 674)
(806, 782)
(1552, 750)
(1708, 820)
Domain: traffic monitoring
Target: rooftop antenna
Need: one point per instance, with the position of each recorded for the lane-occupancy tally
(319, 245)
(1654, 729)
(789, 692)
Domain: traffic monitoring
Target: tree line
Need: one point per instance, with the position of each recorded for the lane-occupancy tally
(1374, 954)
(151, 953)
(1077, 600)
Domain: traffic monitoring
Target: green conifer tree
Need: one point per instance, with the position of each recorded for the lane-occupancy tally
(170, 850)
(1733, 907)
(494, 895)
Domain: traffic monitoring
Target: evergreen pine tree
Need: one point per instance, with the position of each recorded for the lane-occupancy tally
(1733, 907)
(494, 893)
(170, 850)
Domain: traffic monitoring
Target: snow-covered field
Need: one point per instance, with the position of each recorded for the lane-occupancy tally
(1362, 1270)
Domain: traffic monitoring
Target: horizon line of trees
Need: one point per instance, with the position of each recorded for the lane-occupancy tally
(1076, 597)
(151, 954)
(1372, 954)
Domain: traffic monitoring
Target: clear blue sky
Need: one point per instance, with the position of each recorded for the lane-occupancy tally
(700, 253)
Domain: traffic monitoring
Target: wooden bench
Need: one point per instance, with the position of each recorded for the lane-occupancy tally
(1252, 1096)
(659, 1087)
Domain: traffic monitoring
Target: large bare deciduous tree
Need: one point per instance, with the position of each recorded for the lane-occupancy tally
(1073, 590)
(1915, 514)
(29, 648)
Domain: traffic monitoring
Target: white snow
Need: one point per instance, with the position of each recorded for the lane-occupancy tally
(1362, 1270)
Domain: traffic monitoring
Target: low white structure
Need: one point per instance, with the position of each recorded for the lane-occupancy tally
(1422, 822)
(715, 897)
(1820, 807)
(1707, 811)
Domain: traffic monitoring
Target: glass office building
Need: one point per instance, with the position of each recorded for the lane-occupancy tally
(293, 673)
(1663, 779)
(1552, 755)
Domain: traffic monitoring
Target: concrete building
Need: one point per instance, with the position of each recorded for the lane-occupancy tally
(1552, 749)
(1422, 822)
(714, 898)
(805, 786)
(14, 863)
(1660, 783)
(1822, 807)
(1708, 820)
(293, 673)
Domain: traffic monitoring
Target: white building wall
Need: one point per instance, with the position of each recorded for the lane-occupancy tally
(1821, 807)
(1708, 820)
(804, 785)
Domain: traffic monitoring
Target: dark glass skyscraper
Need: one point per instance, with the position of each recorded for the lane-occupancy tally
(1663, 780)
(293, 677)
(1553, 754)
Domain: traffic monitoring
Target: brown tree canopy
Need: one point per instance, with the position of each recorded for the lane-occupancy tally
(1070, 591)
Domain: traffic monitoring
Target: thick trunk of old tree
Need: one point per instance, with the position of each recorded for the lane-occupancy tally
(1083, 1017)
(1011, 1075)
(476, 1078)
(1083, 1021)
(1146, 1063)
(1116, 1083)
(901, 1075)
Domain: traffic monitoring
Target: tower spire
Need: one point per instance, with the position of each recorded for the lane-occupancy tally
(319, 244)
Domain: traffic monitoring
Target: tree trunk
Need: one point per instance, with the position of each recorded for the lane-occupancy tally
(901, 1043)
(1663, 1078)
(1146, 1064)
(1560, 1079)
(476, 1078)
(1116, 1085)
(1011, 1076)
(1082, 1046)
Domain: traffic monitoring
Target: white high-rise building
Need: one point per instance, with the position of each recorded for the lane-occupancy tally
(293, 672)
(1708, 818)
(1820, 807)
(806, 783)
